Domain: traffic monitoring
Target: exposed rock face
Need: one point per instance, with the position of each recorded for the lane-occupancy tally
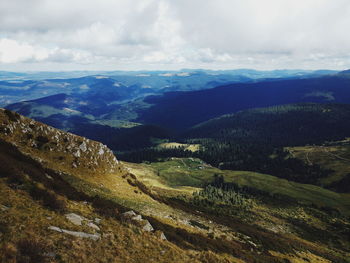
(56, 147)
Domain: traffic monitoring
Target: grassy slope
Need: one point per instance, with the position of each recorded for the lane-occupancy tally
(178, 173)
(334, 156)
(105, 193)
(98, 194)
(304, 193)
(294, 219)
(120, 243)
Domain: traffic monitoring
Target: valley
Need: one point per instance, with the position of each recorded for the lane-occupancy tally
(211, 168)
(167, 131)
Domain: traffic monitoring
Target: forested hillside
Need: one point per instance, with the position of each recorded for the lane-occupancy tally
(181, 110)
(255, 139)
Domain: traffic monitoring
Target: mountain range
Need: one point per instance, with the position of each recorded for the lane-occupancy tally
(67, 198)
(181, 166)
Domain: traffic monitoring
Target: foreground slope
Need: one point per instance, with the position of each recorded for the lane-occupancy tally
(63, 199)
(42, 183)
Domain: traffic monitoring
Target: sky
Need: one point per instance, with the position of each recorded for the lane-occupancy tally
(51, 35)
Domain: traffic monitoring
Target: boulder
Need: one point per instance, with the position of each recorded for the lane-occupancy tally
(75, 219)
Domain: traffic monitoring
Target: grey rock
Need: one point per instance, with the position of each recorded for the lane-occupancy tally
(48, 176)
(147, 227)
(162, 236)
(101, 151)
(92, 225)
(97, 220)
(55, 228)
(76, 154)
(94, 237)
(75, 219)
(83, 147)
(137, 218)
(129, 214)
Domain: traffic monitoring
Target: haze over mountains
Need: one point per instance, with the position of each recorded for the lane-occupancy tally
(174, 101)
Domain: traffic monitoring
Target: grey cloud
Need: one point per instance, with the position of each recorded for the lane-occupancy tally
(135, 34)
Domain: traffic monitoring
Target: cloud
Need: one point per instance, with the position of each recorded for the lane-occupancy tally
(12, 51)
(168, 34)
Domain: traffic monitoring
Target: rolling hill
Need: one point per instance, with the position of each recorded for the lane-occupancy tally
(285, 125)
(182, 110)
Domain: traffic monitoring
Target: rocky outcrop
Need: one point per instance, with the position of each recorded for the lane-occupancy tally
(80, 220)
(56, 147)
(132, 217)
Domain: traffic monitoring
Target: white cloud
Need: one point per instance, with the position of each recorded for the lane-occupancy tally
(12, 51)
(168, 34)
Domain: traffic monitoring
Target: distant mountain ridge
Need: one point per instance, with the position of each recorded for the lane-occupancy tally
(181, 110)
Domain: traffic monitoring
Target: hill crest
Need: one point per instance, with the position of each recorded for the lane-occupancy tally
(62, 150)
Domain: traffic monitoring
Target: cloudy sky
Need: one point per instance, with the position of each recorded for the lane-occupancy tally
(174, 34)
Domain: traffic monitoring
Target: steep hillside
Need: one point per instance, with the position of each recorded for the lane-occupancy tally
(67, 199)
(59, 150)
(70, 194)
(46, 217)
